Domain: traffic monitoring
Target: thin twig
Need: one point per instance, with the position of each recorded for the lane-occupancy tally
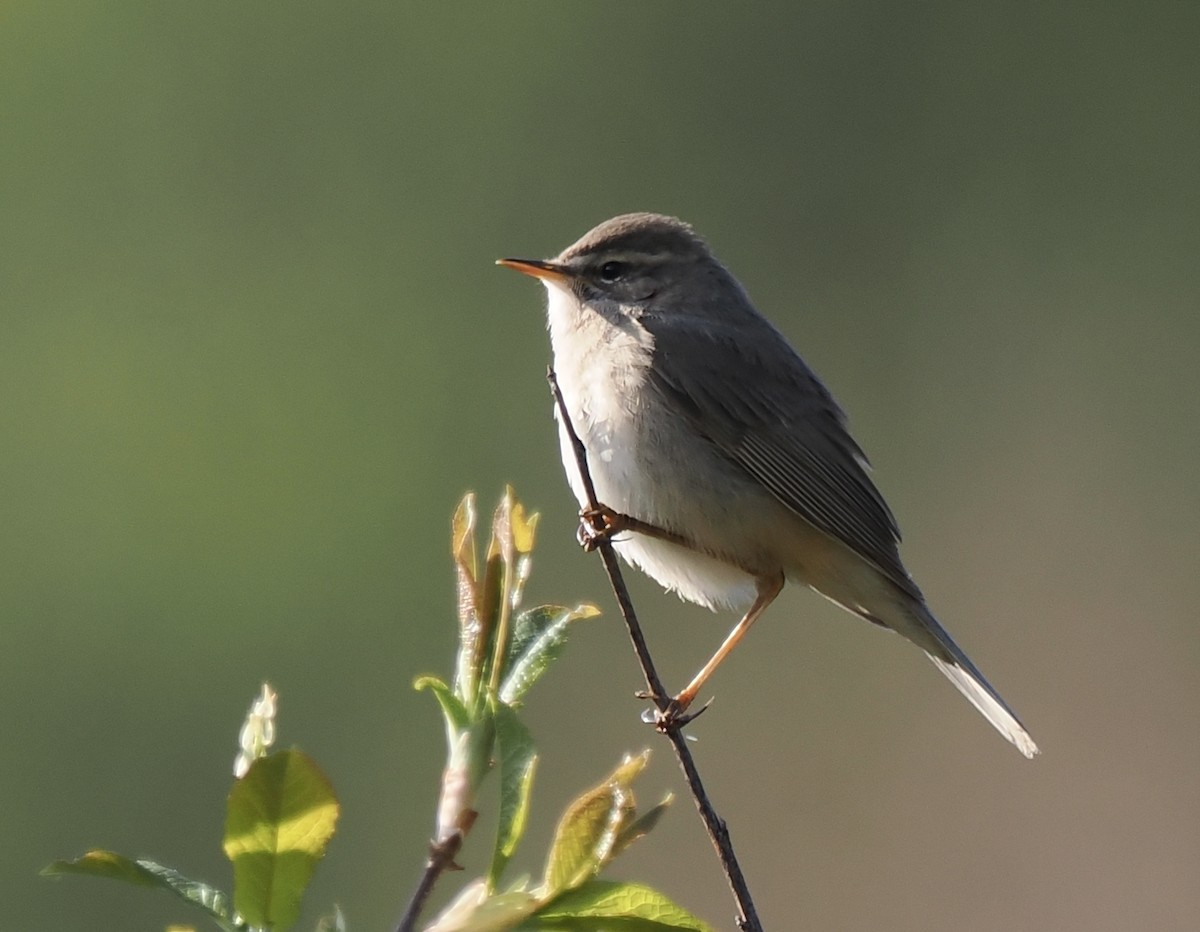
(747, 919)
(441, 857)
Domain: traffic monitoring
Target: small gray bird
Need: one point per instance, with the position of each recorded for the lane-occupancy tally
(728, 456)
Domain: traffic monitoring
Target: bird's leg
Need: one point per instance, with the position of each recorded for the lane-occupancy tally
(769, 588)
(602, 523)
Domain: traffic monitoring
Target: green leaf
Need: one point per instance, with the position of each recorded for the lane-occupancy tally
(458, 719)
(589, 828)
(473, 910)
(518, 759)
(538, 638)
(143, 873)
(498, 576)
(279, 818)
(492, 616)
(609, 905)
(106, 864)
(642, 825)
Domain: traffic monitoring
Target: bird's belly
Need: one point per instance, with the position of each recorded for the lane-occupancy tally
(645, 474)
(694, 576)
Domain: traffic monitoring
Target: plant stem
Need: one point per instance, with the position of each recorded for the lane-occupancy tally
(441, 857)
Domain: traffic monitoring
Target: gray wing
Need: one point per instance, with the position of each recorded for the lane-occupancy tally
(783, 428)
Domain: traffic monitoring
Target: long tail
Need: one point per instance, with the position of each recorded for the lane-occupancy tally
(950, 659)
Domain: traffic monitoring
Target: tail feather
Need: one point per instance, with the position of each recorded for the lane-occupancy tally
(985, 699)
(880, 601)
(950, 659)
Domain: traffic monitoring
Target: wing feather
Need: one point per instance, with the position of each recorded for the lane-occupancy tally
(782, 426)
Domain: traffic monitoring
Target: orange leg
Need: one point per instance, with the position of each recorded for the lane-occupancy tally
(602, 523)
(769, 588)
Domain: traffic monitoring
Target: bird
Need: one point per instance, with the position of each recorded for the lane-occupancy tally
(718, 454)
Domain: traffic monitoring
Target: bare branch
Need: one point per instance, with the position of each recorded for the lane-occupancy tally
(441, 858)
(747, 919)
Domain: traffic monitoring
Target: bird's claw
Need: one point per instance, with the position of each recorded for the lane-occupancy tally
(597, 525)
(673, 716)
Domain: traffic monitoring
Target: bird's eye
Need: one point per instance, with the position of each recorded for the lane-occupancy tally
(612, 271)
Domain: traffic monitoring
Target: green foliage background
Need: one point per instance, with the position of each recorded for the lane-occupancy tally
(253, 349)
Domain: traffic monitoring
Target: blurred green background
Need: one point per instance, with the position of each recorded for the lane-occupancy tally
(253, 349)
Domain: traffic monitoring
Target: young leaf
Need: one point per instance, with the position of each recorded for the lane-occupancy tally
(524, 526)
(455, 713)
(524, 531)
(473, 910)
(538, 637)
(462, 536)
(589, 828)
(608, 904)
(518, 759)
(471, 635)
(640, 826)
(496, 590)
(145, 873)
(279, 818)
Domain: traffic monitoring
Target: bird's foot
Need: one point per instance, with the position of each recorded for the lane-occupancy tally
(597, 525)
(674, 715)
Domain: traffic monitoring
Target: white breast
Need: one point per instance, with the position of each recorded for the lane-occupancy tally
(602, 369)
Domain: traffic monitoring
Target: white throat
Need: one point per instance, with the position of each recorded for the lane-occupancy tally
(601, 366)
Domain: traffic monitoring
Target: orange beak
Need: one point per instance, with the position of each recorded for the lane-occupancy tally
(538, 268)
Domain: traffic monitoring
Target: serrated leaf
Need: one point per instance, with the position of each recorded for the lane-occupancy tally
(453, 711)
(539, 635)
(589, 828)
(518, 760)
(144, 873)
(529, 625)
(279, 818)
(600, 905)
